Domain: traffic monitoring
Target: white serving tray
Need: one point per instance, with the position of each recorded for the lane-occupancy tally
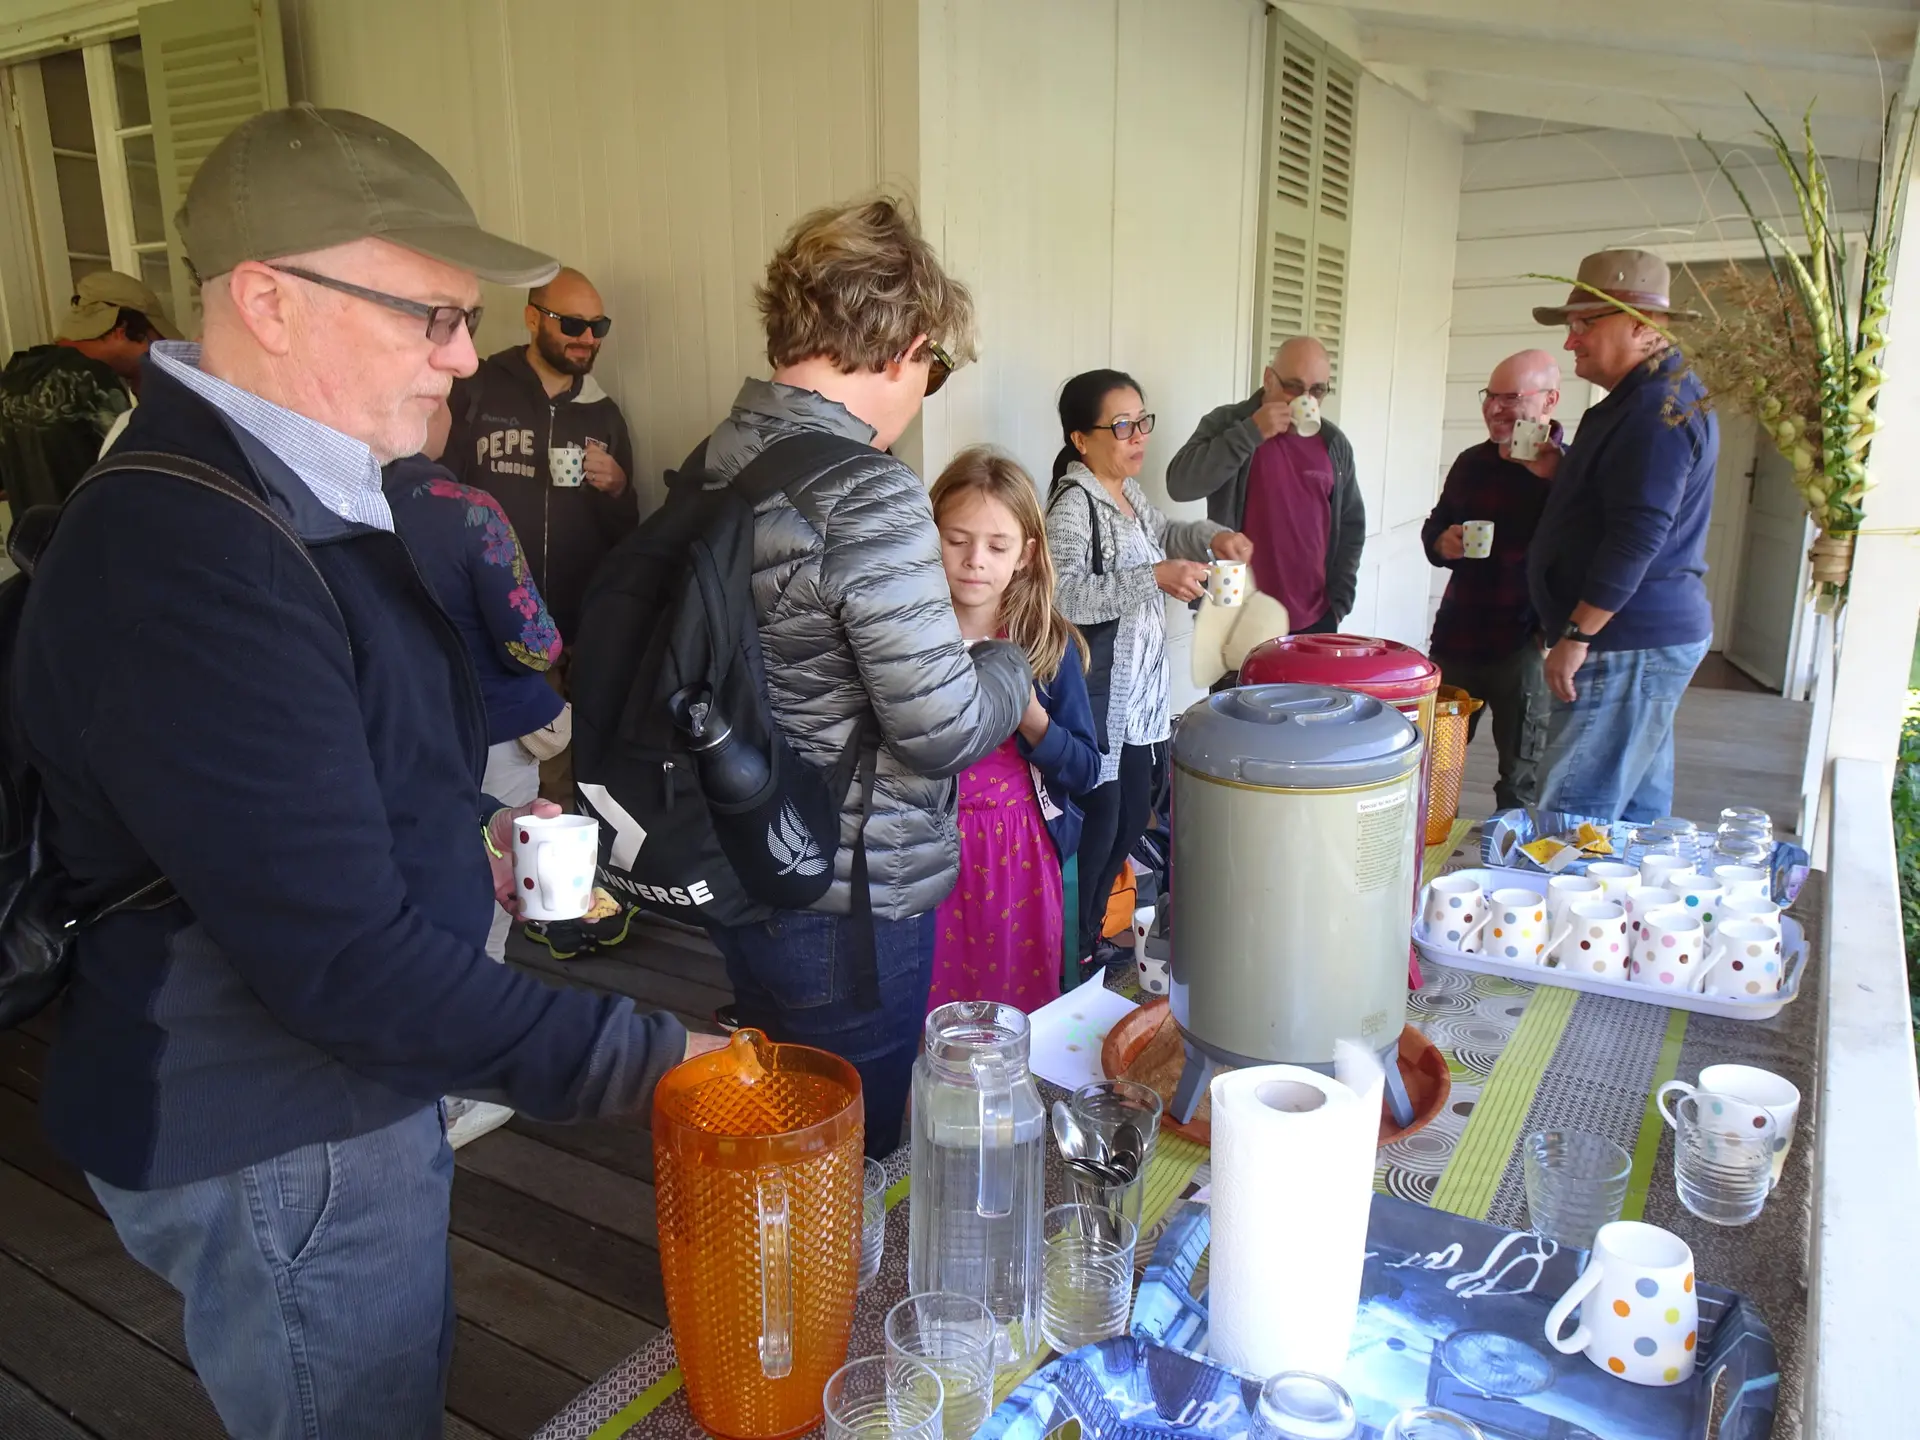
(1793, 944)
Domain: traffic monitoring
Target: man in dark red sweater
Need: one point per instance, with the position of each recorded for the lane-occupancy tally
(1486, 638)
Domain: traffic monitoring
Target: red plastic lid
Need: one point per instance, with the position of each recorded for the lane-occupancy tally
(1384, 669)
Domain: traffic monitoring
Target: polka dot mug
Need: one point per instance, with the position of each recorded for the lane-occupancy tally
(1743, 961)
(1516, 926)
(1753, 1090)
(1639, 1315)
(1456, 913)
(1596, 945)
(1669, 952)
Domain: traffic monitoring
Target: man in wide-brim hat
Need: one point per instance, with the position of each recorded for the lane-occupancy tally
(1617, 567)
(241, 691)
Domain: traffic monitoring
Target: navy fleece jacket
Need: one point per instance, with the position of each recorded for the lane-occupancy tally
(304, 767)
(1625, 526)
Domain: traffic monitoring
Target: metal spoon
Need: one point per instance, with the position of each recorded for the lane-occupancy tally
(1128, 1148)
(1067, 1134)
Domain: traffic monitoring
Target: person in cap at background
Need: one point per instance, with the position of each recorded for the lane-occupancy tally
(1618, 564)
(1297, 497)
(58, 402)
(525, 403)
(1485, 638)
(284, 730)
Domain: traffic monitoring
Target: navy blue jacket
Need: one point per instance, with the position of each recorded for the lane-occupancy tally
(1066, 762)
(1625, 526)
(471, 559)
(304, 767)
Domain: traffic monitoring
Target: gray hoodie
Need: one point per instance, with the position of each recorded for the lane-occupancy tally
(856, 618)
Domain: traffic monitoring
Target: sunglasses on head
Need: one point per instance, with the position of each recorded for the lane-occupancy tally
(574, 326)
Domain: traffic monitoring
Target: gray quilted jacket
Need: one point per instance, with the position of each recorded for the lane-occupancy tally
(856, 618)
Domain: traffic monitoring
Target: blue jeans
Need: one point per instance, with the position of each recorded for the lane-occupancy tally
(792, 977)
(319, 1298)
(1610, 753)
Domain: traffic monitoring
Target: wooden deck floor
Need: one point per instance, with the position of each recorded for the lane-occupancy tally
(556, 1272)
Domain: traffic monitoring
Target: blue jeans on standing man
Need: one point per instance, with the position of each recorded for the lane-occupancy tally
(1610, 752)
(319, 1297)
(793, 978)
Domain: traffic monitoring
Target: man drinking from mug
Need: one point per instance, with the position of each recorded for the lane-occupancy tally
(1485, 637)
(1272, 467)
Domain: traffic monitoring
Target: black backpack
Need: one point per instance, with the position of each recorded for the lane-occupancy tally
(670, 612)
(42, 910)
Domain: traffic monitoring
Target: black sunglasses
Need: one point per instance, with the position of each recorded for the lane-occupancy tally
(574, 326)
(1123, 429)
(443, 321)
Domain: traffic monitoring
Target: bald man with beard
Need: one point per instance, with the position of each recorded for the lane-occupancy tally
(1486, 638)
(522, 404)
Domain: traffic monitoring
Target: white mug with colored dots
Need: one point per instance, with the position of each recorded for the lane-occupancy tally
(1516, 926)
(1639, 1315)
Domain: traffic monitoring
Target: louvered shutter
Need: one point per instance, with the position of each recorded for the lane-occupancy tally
(210, 64)
(1307, 204)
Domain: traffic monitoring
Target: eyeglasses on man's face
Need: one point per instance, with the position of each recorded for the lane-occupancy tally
(1583, 324)
(574, 326)
(443, 321)
(1127, 429)
(1506, 399)
(1294, 389)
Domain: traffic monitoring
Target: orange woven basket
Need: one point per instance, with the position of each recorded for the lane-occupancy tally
(1451, 708)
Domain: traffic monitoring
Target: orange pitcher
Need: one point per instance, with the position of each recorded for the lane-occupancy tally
(758, 1152)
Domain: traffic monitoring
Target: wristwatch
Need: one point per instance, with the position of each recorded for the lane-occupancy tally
(1574, 632)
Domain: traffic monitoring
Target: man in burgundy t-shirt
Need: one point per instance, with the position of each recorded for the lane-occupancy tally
(1295, 496)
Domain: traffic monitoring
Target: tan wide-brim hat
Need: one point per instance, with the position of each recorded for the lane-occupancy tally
(1638, 278)
(290, 181)
(98, 300)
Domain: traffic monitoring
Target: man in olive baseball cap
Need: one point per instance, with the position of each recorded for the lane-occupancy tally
(284, 728)
(293, 181)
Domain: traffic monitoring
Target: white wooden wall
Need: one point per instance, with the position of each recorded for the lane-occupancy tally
(1393, 389)
(661, 146)
(1088, 167)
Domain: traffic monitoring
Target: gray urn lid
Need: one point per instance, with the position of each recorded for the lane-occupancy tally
(1296, 737)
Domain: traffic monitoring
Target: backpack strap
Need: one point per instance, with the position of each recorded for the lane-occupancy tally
(1093, 522)
(794, 458)
(866, 945)
(27, 546)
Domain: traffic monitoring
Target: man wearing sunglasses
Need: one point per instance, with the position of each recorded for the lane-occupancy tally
(240, 690)
(522, 405)
(1294, 495)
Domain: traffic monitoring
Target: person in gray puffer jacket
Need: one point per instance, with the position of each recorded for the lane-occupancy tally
(856, 620)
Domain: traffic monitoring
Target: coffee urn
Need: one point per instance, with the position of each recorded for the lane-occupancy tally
(1294, 813)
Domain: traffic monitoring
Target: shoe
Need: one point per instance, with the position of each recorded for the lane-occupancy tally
(470, 1119)
(727, 1017)
(611, 929)
(566, 939)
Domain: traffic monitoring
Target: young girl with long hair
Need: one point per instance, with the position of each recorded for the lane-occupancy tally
(999, 934)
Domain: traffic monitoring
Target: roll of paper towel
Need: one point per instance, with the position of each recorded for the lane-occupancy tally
(1293, 1161)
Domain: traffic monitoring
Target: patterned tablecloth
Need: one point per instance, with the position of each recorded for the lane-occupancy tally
(1522, 1057)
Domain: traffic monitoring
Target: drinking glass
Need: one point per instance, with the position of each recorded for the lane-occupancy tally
(1086, 1291)
(1745, 815)
(1722, 1158)
(1299, 1405)
(1101, 1108)
(952, 1335)
(1429, 1422)
(883, 1395)
(1674, 824)
(1743, 848)
(873, 1221)
(1576, 1182)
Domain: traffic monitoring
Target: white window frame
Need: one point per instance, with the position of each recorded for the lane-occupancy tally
(110, 137)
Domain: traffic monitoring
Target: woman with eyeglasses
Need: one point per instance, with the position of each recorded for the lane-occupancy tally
(1117, 556)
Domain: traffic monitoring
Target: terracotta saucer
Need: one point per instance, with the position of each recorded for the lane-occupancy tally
(1145, 1046)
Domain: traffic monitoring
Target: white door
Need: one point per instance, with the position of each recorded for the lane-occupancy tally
(1726, 526)
(1771, 601)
